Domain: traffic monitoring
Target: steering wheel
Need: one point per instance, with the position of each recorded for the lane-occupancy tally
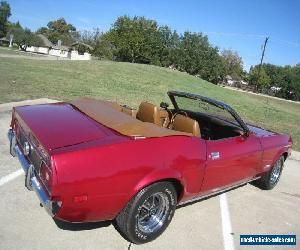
(177, 113)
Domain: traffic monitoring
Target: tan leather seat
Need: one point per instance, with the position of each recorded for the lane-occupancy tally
(186, 124)
(148, 112)
(164, 118)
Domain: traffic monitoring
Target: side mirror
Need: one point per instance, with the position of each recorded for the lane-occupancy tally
(164, 105)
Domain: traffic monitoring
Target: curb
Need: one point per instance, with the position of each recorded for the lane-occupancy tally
(295, 155)
(259, 94)
(10, 105)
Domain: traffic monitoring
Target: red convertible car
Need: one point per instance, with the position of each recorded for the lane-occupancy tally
(91, 160)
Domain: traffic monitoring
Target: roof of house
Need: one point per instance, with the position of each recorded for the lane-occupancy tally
(4, 39)
(45, 40)
(61, 47)
(49, 44)
(81, 43)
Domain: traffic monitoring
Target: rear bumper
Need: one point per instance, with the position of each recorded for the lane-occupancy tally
(52, 207)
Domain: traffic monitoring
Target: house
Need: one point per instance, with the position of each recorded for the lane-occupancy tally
(244, 83)
(275, 89)
(58, 50)
(229, 81)
(76, 53)
(4, 42)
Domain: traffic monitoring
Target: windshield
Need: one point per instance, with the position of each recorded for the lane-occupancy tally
(209, 107)
(200, 106)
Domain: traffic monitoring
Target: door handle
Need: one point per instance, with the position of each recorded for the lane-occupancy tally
(214, 155)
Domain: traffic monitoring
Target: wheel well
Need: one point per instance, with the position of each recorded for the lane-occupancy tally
(178, 187)
(285, 155)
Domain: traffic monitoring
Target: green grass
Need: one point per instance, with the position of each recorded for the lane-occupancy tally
(127, 83)
(14, 51)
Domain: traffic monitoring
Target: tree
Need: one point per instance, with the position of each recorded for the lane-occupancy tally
(90, 37)
(135, 40)
(104, 49)
(141, 40)
(290, 84)
(24, 37)
(259, 78)
(233, 64)
(5, 13)
(197, 57)
(101, 45)
(59, 30)
(286, 78)
(168, 43)
(295, 82)
(13, 25)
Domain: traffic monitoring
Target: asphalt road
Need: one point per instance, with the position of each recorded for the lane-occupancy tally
(214, 223)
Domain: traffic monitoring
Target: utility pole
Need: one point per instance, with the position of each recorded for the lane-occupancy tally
(263, 52)
(262, 58)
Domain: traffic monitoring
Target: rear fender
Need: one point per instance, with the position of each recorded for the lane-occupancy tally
(279, 154)
(157, 176)
(285, 148)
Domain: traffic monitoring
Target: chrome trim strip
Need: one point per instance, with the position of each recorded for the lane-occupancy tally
(10, 134)
(50, 206)
(43, 196)
(216, 192)
(12, 142)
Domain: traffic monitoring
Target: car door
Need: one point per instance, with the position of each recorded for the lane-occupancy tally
(231, 161)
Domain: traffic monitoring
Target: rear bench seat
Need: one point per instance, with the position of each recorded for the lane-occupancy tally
(148, 112)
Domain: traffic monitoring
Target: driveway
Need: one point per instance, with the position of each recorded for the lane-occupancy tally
(214, 223)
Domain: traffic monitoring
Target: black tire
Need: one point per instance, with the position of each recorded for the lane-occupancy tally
(270, 179)
(134, 219)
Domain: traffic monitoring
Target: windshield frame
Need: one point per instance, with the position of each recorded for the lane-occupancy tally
(218, 104)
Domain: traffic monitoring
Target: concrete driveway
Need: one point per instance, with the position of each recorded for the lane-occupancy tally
(214, 223)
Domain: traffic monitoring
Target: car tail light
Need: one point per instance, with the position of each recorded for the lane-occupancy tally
(46, 175)
(44, 155)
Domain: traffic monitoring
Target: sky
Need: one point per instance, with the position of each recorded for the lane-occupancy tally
(233, 24)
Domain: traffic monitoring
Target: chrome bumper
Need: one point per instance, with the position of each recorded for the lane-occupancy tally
(32, 182)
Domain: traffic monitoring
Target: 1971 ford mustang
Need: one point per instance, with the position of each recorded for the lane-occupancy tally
(91, 160)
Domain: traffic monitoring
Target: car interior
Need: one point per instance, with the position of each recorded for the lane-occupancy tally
(199, 124)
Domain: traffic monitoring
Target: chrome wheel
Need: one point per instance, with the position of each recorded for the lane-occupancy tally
(275, 174)
(153, 213)
(148, 214)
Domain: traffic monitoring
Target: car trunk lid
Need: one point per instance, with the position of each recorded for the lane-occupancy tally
(59, 125)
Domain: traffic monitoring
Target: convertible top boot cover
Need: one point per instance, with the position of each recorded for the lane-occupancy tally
(108, 114)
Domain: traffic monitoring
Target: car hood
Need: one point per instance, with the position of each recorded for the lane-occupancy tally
(59, 125)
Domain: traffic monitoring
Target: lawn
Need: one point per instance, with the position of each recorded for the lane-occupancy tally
(127, 83)
(14, 51)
